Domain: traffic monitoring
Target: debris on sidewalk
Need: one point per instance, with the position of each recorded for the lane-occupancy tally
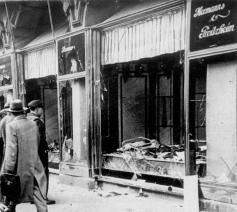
(110, 193)
(142, 194)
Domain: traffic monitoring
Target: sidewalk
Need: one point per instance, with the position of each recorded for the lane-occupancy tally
(75, 199)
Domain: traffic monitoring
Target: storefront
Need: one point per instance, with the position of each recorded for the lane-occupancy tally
(72, 105)
(141, 94)
(41, 83)
(211, 97)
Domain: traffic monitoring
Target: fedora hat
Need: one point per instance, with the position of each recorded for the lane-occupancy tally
(16, 106)
(35, 103)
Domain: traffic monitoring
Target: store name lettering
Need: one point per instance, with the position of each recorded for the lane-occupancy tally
(208, 31)
(217, 13)
(200, 11)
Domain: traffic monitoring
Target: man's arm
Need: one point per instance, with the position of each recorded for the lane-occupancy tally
(11, 150)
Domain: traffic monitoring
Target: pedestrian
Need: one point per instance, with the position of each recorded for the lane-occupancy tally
(22, 158)
(35, 114)
(5, 120)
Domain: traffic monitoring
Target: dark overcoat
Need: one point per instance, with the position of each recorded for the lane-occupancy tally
(22, 141)
(43, 146)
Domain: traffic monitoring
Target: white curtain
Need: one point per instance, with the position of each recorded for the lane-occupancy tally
(154, 36)
(40, 63)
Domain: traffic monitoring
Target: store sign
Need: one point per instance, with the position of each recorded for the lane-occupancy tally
(71, 54)
(213, 23)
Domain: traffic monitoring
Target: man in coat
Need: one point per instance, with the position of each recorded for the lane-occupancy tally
(35, 114)
(3, 123)
(22, 158)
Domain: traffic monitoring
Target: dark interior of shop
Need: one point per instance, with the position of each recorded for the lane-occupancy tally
(142, 102)
(45, 89)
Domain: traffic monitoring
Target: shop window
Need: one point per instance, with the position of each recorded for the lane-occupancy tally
(73, 120)
(5, 71)
(6, 96)
(165, 108)
(45, 88)
(198, 103)
(198, 116)
(66, 118)
(133, 106)
(71, 54)
(142, 118)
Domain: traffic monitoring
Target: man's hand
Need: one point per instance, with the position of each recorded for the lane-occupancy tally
(3, 207)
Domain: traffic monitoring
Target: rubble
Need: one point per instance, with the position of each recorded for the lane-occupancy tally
(143, 148)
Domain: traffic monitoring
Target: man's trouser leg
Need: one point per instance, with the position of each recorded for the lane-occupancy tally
(39, 200)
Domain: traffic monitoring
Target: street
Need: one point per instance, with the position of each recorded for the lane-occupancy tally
(75, 199)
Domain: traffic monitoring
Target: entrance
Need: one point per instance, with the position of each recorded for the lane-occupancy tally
(73, 127)
(45, 89)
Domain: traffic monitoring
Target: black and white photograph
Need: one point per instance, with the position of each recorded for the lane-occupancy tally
(118, 105)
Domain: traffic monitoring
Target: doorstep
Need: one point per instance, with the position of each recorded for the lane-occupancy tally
(152, 189)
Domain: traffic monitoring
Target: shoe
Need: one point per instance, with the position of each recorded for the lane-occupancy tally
(50, 202)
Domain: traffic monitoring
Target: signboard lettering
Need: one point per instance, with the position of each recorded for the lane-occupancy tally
(213, 23)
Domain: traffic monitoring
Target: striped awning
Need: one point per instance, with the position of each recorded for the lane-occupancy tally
(154, 36)
(40, 63)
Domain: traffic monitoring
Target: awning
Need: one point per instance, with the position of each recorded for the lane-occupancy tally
(154, 36)
(40, 63)
(40, 54)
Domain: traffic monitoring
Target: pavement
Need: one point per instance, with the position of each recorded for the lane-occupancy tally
(71, 198)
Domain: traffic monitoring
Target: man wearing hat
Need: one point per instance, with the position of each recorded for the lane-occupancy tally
(35, 114)
(6, 119)
(22, 158)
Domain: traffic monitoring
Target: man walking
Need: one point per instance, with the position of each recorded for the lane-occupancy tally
(22, 158)
(36, 112)
(3, 123)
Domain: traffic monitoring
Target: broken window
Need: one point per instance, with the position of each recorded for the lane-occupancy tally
(71, 54)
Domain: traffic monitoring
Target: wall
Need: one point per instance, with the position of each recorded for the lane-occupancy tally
(221, 121)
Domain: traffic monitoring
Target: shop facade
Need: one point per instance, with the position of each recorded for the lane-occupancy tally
(77, 59)
(10, 73)
(167, 105)
(148, 94)
(40, 80)
(211, 97)
(7, 80)
(138, 112)
(72, 104)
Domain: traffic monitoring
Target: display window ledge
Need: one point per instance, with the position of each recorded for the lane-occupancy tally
(164, 180)
(140, 184)
(74, 169)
